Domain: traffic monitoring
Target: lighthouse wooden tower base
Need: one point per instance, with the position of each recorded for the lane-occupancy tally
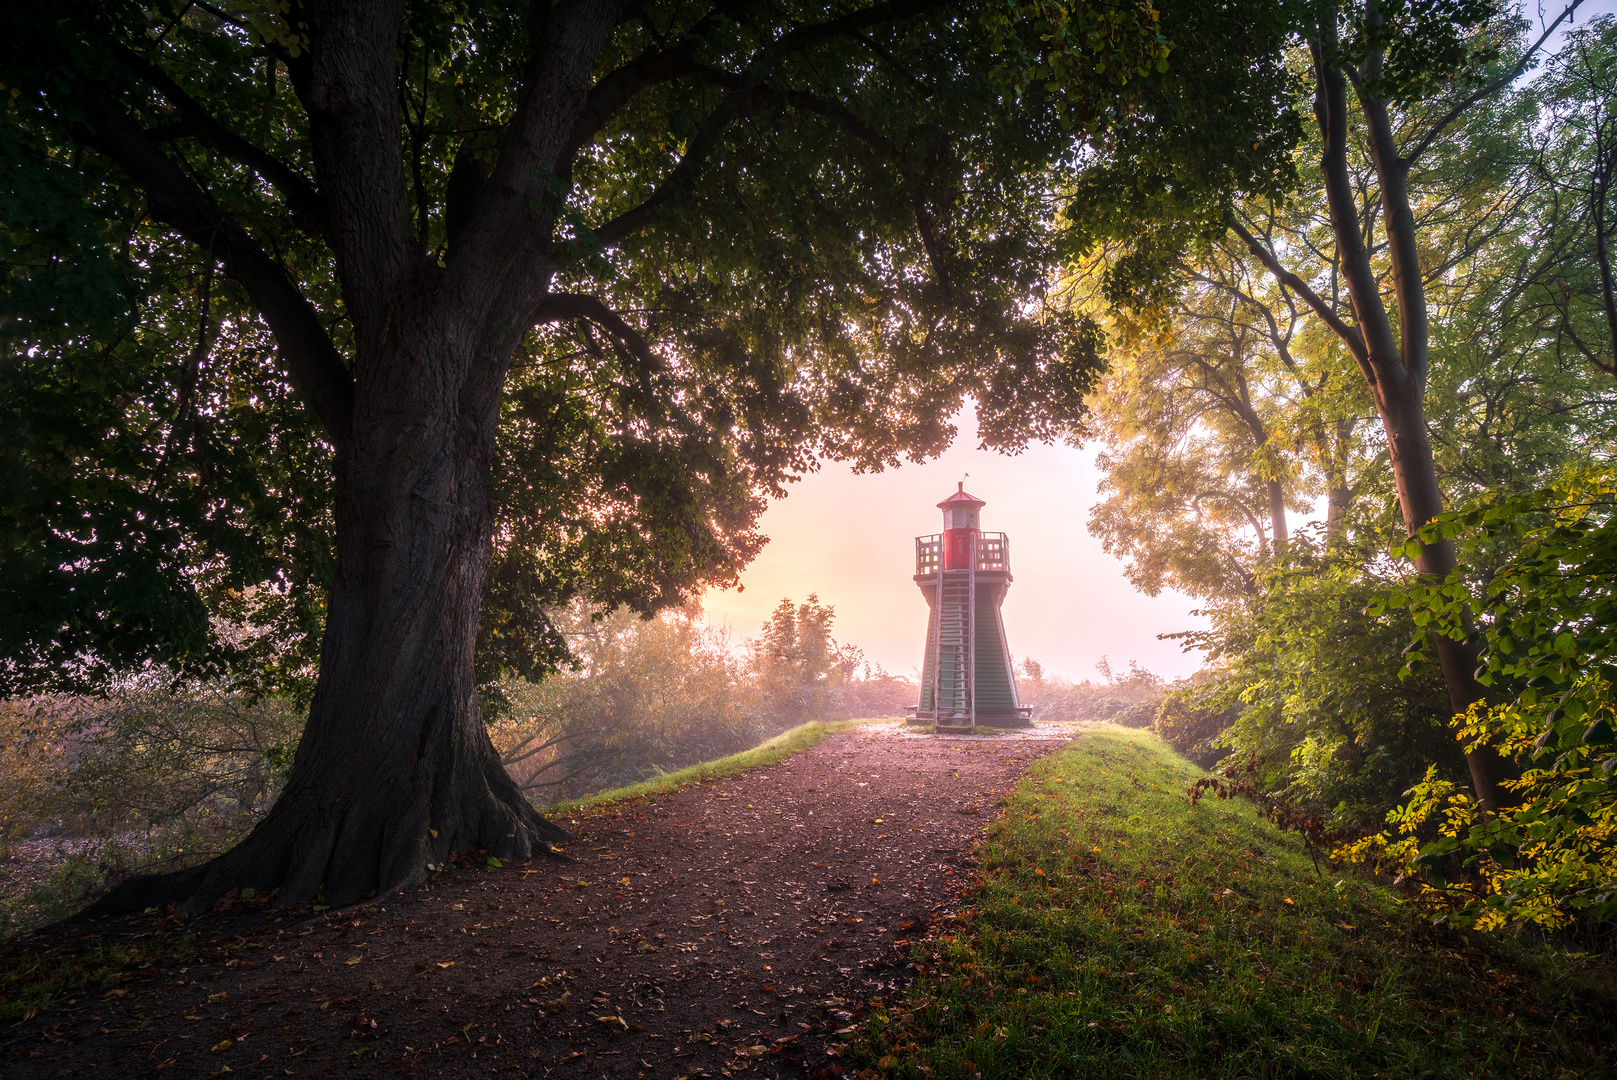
(966, 677)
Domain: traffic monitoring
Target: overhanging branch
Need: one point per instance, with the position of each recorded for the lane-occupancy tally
(558, 306)
(304, 347)
(300, 192)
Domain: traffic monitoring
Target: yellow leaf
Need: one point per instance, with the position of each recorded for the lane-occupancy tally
(447, 963)
(222, 1047)
(434, 833)
(352, 960)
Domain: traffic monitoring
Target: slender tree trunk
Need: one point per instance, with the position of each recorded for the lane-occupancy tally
(1337, 500)
(1415, 474)
(1395, 365)
(1334, 453)
(395, 769)
(1277, 515)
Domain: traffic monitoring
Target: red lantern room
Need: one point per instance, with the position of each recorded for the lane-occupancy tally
(959, 525)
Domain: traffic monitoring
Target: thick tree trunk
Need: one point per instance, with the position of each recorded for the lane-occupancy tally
(395, 769)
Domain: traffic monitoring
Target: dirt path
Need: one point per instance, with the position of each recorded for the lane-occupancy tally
(731, 927)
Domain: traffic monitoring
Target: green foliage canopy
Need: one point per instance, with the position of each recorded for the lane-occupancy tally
(781, 232)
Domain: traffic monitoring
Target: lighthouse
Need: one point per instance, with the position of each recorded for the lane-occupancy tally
(966, 676)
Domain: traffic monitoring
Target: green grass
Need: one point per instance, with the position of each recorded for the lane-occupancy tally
(35, 975)
(782, 746)
(1117, 931)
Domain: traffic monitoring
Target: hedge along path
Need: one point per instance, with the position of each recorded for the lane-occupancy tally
(738, 926)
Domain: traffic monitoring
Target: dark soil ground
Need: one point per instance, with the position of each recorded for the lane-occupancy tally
(730, 928)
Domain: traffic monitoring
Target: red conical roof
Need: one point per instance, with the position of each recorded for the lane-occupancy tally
(961, 498)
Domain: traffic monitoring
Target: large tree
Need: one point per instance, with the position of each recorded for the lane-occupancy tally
(549, 296)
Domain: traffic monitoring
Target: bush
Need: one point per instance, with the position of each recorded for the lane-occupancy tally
(655, 695)
(1307, 676)
(1547, 623)
(150, 777)
(1130, 699)
(1193, 728)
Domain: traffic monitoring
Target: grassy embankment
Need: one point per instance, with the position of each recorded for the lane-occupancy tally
(794, 741)
(1118, 931)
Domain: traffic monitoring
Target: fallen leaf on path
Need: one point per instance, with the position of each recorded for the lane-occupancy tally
(220, 1048)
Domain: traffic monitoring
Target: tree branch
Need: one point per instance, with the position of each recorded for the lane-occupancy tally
(1350, 336)
(648, 69)
(558, 306)
(305, 348)
(1487, 91)
(301, 194)
(677, 182)
(748, 87)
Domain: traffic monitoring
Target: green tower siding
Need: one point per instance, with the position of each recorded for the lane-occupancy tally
(993, 681)
(926, 661)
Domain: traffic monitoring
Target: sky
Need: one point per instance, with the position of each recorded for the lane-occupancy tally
(850, 539)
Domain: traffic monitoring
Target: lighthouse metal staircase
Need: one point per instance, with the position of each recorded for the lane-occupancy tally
(967, 675)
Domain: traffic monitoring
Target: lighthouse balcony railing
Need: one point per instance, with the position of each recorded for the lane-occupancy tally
(989, 551)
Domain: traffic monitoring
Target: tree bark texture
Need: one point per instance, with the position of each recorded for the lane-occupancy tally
(395, 770)
(1395, 364)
